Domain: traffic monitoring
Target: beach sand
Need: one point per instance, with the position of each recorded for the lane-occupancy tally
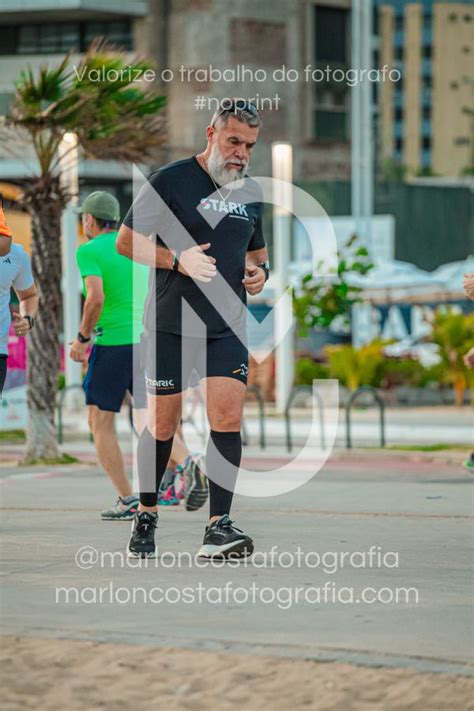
(52, 674)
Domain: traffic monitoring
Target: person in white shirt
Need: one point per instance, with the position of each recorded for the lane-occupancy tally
(15, 272)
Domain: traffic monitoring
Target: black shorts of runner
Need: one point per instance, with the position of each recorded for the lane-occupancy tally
(3, 371)
(111, 372)
(171, 359)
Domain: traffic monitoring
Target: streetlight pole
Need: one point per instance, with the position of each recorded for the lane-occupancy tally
(282, 170)
(70, 286)
(361, 121)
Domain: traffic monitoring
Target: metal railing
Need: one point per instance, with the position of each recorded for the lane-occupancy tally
(378, 399)
(190, 419)
(293, 394)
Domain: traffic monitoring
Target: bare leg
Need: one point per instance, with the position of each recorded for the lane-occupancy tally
(101, 424)
(139, 419)
(179, 451)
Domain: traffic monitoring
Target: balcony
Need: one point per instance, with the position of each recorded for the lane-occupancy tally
(17, 10)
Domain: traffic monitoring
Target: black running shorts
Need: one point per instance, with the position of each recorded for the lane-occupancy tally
(171, 358)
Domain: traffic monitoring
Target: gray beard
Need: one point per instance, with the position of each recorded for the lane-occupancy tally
(219, 172)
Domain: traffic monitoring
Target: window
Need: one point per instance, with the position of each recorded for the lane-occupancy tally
(426, 143)
(332, 95)
(331, 124)
(399, 23)
(5, 102)
(331, 35)
(399, 54)
(427, 52)
(7, 40)
(399, 145)
(117, 32)
(48, 39)
(426, 113)
(60, 37)
(398, 115)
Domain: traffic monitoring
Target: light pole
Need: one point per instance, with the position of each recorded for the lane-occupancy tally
(70, 286)
(282, 170)
(361, 121)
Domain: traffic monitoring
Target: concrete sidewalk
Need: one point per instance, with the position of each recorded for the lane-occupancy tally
(398, 506)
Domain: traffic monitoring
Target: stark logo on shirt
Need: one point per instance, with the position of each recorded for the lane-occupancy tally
(230, 208)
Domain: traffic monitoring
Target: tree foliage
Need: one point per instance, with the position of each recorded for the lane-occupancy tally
(112, 117)
(318, 301)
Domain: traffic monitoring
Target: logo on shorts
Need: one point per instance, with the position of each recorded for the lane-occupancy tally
(152, 383)
(241, 370)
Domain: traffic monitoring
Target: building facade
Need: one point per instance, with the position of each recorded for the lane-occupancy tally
(273, 41)
(426, 119)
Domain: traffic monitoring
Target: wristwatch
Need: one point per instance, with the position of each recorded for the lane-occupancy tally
(30, 320)
(266, 268)
(175, 262)
(82, 339)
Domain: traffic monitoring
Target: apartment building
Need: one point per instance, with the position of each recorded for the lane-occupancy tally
(427, 118)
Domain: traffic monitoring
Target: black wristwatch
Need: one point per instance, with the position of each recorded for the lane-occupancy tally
(175, 262)
(30, 320)
(82, 339)
(266, 268)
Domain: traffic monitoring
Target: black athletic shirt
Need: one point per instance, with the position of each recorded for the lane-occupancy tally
(190, 194)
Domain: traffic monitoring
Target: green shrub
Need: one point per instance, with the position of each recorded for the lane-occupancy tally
(356, 366)
(307, 370)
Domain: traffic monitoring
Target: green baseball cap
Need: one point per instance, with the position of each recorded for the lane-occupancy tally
(100, 204)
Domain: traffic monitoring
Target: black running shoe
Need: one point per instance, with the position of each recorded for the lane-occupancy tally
(223, 540)
(142, 542)
(196, 488)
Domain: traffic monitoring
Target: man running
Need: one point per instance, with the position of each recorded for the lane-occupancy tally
(15, 272)
(115, 291)
(235, 249)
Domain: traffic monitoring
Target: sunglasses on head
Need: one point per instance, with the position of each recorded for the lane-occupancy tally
(233, 106)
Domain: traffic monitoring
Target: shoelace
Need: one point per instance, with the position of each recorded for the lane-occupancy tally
(229, 524)
(144, 524)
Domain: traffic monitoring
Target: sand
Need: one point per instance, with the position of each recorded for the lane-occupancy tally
(38, 673)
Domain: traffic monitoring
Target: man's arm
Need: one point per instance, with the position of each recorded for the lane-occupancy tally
(140, 249)
(93, 304)
(255, 276)
(92, 309)
(192, 262)
(28, 299)
(5, 245)
(469, 286)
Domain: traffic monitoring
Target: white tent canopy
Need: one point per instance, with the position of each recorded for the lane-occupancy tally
(451, 275)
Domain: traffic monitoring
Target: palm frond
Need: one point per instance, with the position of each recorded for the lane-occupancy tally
(99, 100)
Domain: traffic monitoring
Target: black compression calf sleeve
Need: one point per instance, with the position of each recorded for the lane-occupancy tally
(152, 457)
(229, 446)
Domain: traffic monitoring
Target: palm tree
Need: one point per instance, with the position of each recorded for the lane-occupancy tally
(112, 118)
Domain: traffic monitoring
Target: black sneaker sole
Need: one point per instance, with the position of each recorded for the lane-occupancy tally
(197, 496)
(141, 554)
(241, 549)
(196, 499)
